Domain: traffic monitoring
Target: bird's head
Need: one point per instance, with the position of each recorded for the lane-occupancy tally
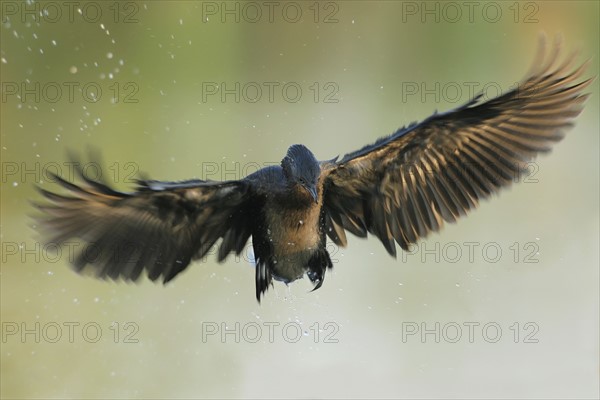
(302, 170)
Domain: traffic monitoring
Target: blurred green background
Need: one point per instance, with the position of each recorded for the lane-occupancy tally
(142, 75)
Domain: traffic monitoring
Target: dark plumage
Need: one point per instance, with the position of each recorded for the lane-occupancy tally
(399, 189)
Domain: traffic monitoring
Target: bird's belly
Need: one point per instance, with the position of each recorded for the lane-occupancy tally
(293, 241)
(300, 239)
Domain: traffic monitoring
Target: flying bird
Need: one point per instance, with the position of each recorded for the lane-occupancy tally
(399, 189)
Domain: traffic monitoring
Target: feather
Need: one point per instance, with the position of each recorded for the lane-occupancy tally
(439, 169)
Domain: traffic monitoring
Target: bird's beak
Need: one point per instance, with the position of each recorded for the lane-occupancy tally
(313, 192)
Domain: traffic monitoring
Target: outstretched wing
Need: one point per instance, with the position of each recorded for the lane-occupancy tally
(406, 185)
(160, 227)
